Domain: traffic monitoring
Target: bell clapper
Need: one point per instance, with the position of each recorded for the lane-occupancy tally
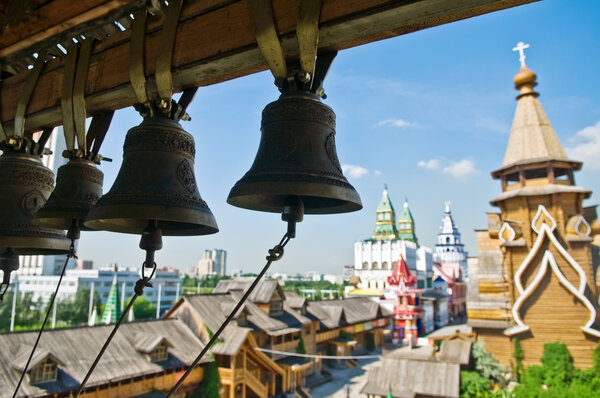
(151, 241)
(9, 262)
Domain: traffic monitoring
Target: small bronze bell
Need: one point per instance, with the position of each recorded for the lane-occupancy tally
(296, 157)
(78, 188)
(25, 185)
(156, 182)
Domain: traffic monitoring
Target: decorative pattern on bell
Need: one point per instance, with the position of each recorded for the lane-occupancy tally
(78, 188)
(296, 157)
(156, 182)
(25, 185)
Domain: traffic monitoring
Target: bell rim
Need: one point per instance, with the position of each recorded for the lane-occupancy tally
(60, 219)
(101, 218)
(22, 245)
(244, 195)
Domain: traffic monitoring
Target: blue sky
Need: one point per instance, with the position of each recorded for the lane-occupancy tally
(427, 113)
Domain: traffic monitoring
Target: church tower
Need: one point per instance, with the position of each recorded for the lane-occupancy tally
(406, 225)
(534, 278)
(385, 219)
(449, 250)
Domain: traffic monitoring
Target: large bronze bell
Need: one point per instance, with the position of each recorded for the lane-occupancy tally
(78, 188)
(296, 157)
(25, 185)
(156, 182)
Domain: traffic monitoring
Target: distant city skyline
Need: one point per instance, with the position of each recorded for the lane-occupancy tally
(427, 113)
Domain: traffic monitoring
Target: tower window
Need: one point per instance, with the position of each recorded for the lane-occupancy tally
(512, 178)
(365, 265)
(561, 174)
(536, 173)
(386, 216)
(375, 265)
(384, 265)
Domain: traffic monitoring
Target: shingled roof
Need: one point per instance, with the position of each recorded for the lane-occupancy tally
(74, 349)
(410, 378)
(261, 294)
(336, 313)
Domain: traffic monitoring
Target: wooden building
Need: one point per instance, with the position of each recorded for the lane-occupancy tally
(144, 357)
(243, 370)
(535, 277)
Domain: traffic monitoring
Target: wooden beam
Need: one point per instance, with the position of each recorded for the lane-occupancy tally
(53, 18)
(215, 43)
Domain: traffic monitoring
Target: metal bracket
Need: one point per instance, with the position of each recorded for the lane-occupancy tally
(267, 38)
(96, 133)
(66, 97)
(136, 59)
(164, 78)
(19, 124)
(307, 32)
(79, 112)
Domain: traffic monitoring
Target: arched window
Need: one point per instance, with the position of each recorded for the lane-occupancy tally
(375, 265)
(448, 239)
(384, 265)
(365, 265)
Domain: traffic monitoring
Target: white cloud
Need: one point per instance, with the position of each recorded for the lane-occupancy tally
(431, 164)
(377, 173)
(587, 147)
(354, 171)
(461, 169)
(394, 123)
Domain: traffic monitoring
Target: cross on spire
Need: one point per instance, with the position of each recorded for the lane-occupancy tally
(521, 49)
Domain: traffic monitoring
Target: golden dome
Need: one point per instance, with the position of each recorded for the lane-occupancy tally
(525, 76)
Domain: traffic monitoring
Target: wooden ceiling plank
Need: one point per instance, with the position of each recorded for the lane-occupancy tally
(220, 45)
(53, 18)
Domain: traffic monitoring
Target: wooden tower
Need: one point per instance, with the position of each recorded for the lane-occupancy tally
(535, 274)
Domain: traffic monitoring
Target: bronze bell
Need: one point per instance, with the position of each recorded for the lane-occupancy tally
(296, 157)
(25, 185)
(156, 182)
(78, 188)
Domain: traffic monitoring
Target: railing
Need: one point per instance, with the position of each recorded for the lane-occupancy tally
(255, 384)
(227, 377)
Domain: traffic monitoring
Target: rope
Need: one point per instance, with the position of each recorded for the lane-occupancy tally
(139, 291)
(70, 254)
(293, 354)
(274, 254)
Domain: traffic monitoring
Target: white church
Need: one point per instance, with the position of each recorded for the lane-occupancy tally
(374, 258)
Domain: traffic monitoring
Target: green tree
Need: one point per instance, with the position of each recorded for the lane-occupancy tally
(143, 309)
(473, 385)
(301, 349)
(211, 384)
(557, 365)
(5, 311)
(486, 365)
(370, 341)
(518, 355)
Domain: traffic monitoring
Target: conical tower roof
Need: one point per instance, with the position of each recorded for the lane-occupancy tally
(448, 226)
(406, 214)
(385, 204)
(385, 219)
(406, 225)
(532, 138)
(112, 310)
